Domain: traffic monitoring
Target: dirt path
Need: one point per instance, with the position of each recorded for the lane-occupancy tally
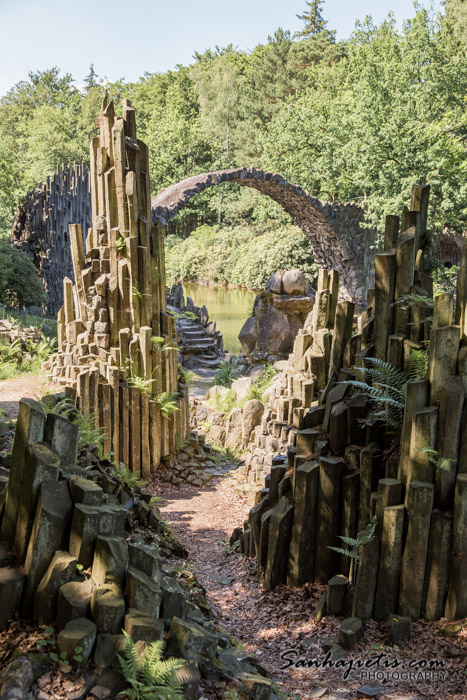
(270, 623)
(29, 386)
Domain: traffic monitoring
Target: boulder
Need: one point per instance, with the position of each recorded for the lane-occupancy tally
(294, 282)
(217, 391)
(241, 387)
(248, 335)
(252, 415)
(274, 333)
(274, 283)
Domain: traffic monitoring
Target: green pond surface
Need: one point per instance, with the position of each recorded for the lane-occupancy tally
(229, 308)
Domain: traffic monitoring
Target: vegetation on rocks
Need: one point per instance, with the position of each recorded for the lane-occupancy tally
(242, 254)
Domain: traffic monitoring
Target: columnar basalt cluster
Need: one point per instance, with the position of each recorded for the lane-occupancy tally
(72, 555)
(117, 345)
(40, 227)
(332, 463)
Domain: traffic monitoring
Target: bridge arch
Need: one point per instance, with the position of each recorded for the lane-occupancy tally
(335, 230)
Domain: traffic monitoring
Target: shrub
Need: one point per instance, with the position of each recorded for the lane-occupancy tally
(20, 284)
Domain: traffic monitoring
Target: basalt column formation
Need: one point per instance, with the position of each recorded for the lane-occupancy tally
(40, 227)
(363, 440)
(117, 349)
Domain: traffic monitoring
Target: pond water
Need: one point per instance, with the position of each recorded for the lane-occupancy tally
(229, 308)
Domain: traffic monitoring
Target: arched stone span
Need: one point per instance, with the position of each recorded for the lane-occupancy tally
(335, 231)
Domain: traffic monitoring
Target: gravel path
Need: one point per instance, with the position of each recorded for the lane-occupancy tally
(270, 623)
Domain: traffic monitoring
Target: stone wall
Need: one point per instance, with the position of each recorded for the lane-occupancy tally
(331, 466)
(40, 227)
(117, 345)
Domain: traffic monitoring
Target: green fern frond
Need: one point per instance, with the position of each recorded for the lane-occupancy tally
(347, 552)
(418, 364)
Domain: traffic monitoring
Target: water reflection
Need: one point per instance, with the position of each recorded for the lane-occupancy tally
(228, 307)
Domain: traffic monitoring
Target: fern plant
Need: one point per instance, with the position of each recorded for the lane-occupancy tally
(167, 403)
(88, 433)
(355, 544)
(386, 390)
(441, 464)
(149, 676)
(127, 477)
(418, 364)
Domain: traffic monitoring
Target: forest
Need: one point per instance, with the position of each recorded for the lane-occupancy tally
(358, 120)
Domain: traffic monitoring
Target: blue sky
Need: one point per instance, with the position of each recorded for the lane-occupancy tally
(124, 39)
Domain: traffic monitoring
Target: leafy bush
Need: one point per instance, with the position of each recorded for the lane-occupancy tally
(24, 356)
(20, 284)
(244, 254)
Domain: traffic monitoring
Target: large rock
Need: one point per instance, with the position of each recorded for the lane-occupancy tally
(241, 387)
(233, 429)
(274, 283)
(274, 334)
(294, 282)
(252, 415)
(248, 335)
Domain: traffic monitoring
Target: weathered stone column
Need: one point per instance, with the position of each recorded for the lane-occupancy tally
(329, 517)
(350, 495)
(442, 358)
(303, 540)
(41, 465)
(435, 587)
(424, 428)
(456, 605)
(341, 334)
(444, 310)
(280, 527)
(29, 428)
(370, 473)
(404, 280)
(365, 585)
(385, 282)
(419, 505)
(416, 398)
(387, 590)
(451, 404)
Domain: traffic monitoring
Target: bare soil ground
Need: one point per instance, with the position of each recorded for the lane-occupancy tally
(25, 386)
(270, 623)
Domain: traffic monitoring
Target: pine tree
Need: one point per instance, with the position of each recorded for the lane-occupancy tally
(313, 18)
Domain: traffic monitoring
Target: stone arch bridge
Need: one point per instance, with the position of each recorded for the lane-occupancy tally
(335, 231)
